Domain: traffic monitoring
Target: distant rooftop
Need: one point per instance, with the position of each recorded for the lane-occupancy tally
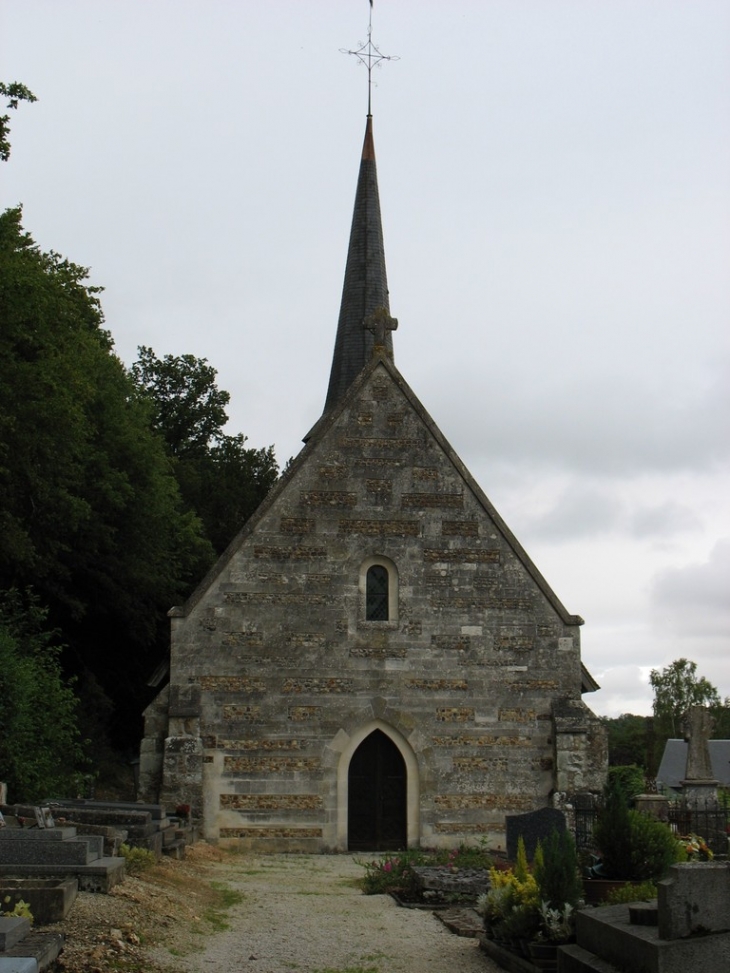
(674, 762)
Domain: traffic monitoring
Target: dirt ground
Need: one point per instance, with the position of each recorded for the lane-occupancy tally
(174, 904)
(218, 911)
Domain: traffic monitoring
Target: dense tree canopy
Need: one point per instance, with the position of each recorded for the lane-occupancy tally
(108, 503)
(188, 408)
(40, 748)
(220, 478)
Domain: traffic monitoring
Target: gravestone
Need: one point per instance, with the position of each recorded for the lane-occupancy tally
(694, 900)
(699, 782)
(534, 826)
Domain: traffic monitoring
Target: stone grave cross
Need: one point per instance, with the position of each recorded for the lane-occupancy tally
(697, 725)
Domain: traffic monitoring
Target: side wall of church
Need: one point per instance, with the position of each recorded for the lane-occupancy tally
(277, 672)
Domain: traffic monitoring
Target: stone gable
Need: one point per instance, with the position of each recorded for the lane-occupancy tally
(462, 676)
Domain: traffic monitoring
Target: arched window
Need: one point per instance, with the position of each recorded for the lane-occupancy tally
(377, 594)
(378, 588)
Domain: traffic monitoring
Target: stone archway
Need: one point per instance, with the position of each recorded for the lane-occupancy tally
(346, 745)
(377, 796)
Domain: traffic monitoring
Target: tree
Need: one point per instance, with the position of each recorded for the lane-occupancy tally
(188, 408)
(629, 740)
(90, 512)
(15, 93)
(221, 479)
(675, 689)
(40, 747)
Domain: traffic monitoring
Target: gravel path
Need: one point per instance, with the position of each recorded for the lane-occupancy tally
(305, 914)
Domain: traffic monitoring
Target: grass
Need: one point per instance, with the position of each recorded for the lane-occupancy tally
(215, 916)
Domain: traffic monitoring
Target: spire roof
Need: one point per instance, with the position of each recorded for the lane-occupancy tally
(366, 284)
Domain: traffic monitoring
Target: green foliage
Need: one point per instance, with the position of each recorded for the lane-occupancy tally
(653, 848)
(675, 689)
(556, 872)
(40, 750)
(90, 512)
(633, 892)
(628, 780)
(137, 860)
(21, 909)
(15, 93)
(220, 479)
(612, 834)
(510, 907)
(188, 408)
(392, 873)
(630, 740)
(521, 868)
(465, 856)
(634, 847)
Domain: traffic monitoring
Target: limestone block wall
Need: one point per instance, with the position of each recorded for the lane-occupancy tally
(276, 672)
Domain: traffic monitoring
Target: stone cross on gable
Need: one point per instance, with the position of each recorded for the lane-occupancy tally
(379, 323)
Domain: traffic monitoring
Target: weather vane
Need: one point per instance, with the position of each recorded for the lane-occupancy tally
(370, 55)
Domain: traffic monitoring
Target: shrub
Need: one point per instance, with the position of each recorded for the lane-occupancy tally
(467, 856)
(629, 780)
(39, 740)
(612, 834)
(21, 909)
(392, 873)
(556, 872)
(636, 892)
(653, 848)
(137, 859)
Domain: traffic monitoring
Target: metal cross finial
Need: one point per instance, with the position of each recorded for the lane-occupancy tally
(370, 55)
(379, 323)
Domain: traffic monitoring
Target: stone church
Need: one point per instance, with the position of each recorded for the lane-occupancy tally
(375, 662)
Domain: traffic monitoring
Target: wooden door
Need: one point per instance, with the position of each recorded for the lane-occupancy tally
(377, 796)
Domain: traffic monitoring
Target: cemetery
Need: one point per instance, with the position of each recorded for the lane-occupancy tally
(375, 673)
(656, 898)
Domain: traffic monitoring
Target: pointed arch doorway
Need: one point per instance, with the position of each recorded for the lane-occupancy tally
(377, 796)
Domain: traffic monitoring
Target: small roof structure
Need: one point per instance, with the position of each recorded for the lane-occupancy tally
(672, 769)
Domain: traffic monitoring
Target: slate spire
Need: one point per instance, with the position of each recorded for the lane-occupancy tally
(366, 284)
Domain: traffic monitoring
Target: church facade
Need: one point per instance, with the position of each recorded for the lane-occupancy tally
(374, 662)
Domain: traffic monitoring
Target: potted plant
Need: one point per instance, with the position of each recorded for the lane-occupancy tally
(559, 888)
(510, 907)
(633, 847)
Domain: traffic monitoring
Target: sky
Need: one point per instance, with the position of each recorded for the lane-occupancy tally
(555, 190)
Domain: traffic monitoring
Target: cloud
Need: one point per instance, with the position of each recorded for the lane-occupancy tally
(613, 423)
(662, 520)
(694, 600)
(623, 690)
(580, 511)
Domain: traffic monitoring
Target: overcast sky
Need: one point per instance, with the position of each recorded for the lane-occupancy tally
(555, 186)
